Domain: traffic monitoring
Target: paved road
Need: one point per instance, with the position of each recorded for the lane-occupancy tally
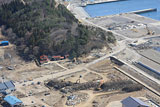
(120, 46)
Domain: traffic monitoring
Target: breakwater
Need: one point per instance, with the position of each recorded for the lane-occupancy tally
(144, 11)
(100, 2)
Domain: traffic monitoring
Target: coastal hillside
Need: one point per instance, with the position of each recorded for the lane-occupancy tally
(42, 27)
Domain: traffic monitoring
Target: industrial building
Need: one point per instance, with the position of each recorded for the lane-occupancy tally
(133, 102)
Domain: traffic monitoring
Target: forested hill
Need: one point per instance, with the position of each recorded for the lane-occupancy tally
(5, 1)
(38, 27)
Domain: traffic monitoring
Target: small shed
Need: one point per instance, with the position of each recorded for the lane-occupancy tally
(13, 101)
(133, 102)
(4, 43)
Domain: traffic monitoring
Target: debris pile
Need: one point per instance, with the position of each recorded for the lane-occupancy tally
(95, 104)
(124, 85)
(145, 45)
(75, 99)
(65, 87)
(68, 86)
(129, 25)
(82, 86)
(57, 84)
(132, 87)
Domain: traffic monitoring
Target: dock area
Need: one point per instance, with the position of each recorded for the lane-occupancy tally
(99, 2)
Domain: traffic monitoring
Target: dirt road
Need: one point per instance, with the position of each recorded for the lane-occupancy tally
(120, 46)
(92, 96)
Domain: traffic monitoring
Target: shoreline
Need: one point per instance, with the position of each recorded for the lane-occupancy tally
(78, 11)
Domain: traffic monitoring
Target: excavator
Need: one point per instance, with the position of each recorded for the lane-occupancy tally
(101, 82)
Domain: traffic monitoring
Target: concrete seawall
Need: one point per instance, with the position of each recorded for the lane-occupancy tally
(143, 11)
(101, 2)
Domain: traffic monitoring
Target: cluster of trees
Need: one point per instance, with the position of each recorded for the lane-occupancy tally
(40, 27)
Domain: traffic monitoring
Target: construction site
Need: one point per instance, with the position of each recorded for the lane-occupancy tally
(63, 83)
(103, 78)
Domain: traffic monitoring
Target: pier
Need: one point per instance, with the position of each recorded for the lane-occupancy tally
(144, 11)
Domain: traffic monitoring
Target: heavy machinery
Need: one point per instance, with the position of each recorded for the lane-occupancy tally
(101, 82)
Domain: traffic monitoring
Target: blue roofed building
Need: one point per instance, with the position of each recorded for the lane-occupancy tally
(4, 43)
(133, 102)
(7, 86)
(13, 101)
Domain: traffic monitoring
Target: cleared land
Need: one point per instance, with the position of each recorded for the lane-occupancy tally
(129, 25)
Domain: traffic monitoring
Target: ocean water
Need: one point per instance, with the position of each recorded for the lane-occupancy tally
(123, 7)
